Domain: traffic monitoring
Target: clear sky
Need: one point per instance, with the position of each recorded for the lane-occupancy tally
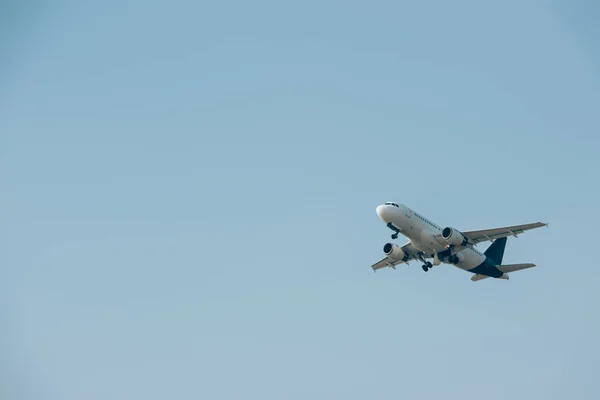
(188, 195)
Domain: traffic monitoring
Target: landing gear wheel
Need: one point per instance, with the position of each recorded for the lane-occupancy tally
(395, 236)
(425, 267)
(428, 264)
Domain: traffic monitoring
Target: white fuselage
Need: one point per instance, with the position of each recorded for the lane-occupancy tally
(424, 234)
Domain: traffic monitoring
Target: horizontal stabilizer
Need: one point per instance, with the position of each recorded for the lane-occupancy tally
(505, 269)
(514, 267)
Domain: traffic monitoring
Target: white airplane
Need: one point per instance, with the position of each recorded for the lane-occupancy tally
(447, 245)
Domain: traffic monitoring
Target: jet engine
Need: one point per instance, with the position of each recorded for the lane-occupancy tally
(453, 237)
(395, 252)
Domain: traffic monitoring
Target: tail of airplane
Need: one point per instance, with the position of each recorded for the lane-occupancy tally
(495, 253)
(505, 269)
(496, 250)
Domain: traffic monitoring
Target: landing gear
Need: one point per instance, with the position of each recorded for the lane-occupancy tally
(396, 231)
(426, 266)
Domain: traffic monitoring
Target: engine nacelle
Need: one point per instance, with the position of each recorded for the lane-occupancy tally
(394, 252)
(453, 237)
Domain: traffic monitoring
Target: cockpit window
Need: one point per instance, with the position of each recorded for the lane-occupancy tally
(392, 204)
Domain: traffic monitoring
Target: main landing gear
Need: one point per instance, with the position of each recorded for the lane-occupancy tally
(426, 264)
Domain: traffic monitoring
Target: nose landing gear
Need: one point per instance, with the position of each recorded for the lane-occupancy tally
(396, 230)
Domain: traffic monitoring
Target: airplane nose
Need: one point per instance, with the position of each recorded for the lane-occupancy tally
(381, 212)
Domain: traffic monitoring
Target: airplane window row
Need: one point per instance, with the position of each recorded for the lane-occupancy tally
(427, 221)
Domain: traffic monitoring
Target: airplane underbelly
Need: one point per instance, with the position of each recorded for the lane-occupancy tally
(470, 261)
(423, 239)
(405, 227)
(425, 245)
(429, 243)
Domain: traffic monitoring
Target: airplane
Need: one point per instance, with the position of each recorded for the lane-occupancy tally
(448, 245)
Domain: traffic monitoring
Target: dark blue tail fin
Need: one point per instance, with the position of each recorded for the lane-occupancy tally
(496, 250)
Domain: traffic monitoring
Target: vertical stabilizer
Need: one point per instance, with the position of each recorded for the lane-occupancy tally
(496, 250)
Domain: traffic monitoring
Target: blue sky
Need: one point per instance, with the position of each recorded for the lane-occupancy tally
(188, 195)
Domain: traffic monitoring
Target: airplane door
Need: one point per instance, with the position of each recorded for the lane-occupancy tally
(410, 219)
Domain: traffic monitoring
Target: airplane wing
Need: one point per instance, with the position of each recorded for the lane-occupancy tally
(385, 262)
(408, 248)
(496, 233)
